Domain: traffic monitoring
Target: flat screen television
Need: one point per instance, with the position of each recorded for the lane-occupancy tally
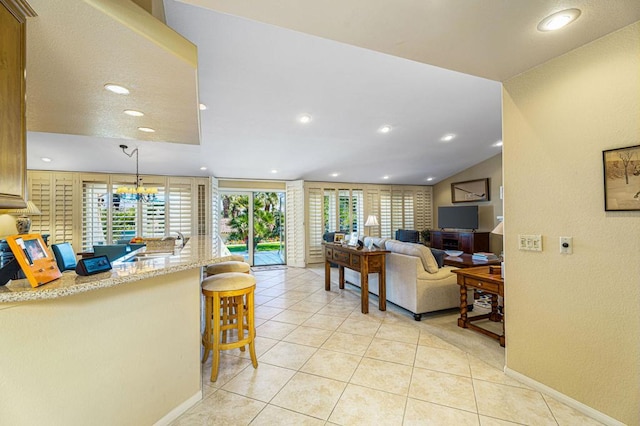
(458, 217)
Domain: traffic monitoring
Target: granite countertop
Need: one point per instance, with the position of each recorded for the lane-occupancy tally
(199, 251)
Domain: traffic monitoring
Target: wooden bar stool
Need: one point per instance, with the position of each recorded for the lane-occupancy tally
(228, 266)
(228, 307)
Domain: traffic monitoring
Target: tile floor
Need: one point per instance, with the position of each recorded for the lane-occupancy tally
(322, 362)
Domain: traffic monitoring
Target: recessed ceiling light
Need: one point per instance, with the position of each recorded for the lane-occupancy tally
(146, 129)
(334, 174)
(274, 171)
(558, 20)
(304, 118)
(46, 159)
(133, 112)
(385, 177)
(120, 90)
(499, 143)
(447, 138)
(202, 107)
(203, 168)
(429, 179)
(385, 129)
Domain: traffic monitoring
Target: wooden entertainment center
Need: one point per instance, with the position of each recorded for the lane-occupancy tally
(467, 241)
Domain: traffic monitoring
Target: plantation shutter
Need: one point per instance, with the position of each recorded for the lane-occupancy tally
(95, 200)
(180, 206)
(202, 207)
(423, 209)
(315, 224)
(330, 211)
(385, 214)
(407, 205)
(397, 210)
(40, 193)
(373, 207)
(215, 216)
(294, 223)
(357, 202)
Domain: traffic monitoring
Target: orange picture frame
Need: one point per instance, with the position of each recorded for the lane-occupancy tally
(35, 259)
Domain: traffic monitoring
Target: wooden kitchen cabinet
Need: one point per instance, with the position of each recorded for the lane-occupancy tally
(13, 128)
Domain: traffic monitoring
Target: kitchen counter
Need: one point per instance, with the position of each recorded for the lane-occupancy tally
(121, 347)
(199, 251)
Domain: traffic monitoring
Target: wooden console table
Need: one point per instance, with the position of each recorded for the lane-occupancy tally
(489, 281)
(363, 260)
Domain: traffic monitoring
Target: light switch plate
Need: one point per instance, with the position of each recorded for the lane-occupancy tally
(530, 242)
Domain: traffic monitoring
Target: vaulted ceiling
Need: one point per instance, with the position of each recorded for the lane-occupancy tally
(425, 68)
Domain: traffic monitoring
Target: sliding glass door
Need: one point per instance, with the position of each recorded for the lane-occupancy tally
(252, 225)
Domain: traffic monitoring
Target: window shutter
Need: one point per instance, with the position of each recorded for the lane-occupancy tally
(95, 201)
(40, 193)
(385, 214)
(315, 224)
(180, 207)
(407, 205)
(357, 202)
(294, 223)
(215, 215)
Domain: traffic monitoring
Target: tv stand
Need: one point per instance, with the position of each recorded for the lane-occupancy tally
(467, 241)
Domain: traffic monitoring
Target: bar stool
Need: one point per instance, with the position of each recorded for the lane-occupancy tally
(228, 306)
(228, 266)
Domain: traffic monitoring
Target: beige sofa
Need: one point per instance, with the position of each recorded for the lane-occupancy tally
(413, 279)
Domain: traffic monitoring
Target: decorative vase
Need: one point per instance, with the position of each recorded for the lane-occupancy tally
(23, 224)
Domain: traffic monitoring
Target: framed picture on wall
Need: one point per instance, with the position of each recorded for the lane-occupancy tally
(470, 191)
(622, 178)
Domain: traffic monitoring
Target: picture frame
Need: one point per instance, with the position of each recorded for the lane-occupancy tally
(36, 261)
(470, 191)
(353, 240)
(338, 237)
(621, 172)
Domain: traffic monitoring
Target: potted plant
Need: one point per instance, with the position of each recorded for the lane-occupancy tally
(426, 237)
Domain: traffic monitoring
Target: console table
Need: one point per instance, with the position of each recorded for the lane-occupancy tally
(487, 279)
(362, 260)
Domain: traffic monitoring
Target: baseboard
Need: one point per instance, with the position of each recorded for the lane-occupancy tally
(584, 409)
(179, 410)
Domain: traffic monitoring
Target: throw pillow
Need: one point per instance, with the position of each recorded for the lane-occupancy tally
(439, 255)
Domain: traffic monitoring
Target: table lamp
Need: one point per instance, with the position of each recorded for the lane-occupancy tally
(372, 220)
(499, 230)
(23, 222)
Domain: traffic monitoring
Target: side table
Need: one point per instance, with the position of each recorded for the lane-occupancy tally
(487, 279)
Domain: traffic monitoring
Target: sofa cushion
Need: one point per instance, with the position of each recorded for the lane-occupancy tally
(439, 255)
(409, 236)
(418, 250)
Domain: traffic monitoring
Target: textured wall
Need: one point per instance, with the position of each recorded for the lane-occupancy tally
(488, 210)
(573, 321)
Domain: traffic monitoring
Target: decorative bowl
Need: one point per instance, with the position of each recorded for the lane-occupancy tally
(454, 253)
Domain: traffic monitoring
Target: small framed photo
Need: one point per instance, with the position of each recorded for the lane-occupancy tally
(35, 260)
(338, 237)
(622, 178)
(353, 241)
(470, 191)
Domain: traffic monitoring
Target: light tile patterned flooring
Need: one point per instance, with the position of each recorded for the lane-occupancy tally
(323, 362)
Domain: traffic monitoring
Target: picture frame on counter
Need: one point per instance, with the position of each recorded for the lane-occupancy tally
(36, 261)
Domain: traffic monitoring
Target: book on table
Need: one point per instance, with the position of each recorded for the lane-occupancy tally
(484, 256)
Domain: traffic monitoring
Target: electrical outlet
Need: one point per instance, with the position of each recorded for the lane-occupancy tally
(566, 245)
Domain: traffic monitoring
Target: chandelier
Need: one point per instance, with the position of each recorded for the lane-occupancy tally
(139, 192)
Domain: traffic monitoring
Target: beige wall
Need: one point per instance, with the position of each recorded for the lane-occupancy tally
(573, 321)
(488, 210)
(122, 355)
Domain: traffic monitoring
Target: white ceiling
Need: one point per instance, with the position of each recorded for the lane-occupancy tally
(257, 78)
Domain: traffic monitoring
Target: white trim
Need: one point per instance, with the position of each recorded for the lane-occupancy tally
(584, 409)
(180, 409)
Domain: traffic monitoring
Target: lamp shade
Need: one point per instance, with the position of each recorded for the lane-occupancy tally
(499, 230)
(372, 220)
(31, 209)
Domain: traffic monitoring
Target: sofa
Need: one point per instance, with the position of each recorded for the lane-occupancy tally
(415, 279)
